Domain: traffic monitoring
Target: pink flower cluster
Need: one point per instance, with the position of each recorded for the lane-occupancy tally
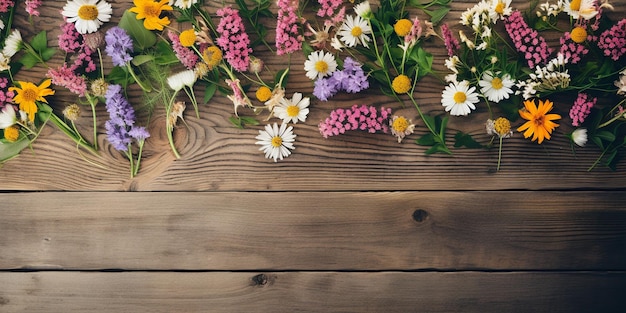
(452, 44)
(328, 7)
(613, 40)
(32, 7)
(233, 40)
(66, 77)
(6, 96)
(288, 39)
(573, 51)
(5, 5)
(70, 39)
(527, 40)
(364, 117)
(185, 55)
(581, 108)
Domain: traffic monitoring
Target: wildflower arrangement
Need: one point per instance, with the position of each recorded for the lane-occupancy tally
(183, 53)
(501, 59)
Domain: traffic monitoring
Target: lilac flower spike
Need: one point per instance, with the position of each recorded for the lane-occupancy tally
(121, 129)
(119, 45)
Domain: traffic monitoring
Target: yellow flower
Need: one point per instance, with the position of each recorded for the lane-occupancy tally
(188, 38)
(11, 133)
(28, 93)
(401, 84)
(212, 56)
(149, 11)
(540, 124)
(403, 27)
(579, 34)
(263, 93)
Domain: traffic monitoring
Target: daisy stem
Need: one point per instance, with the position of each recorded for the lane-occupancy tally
(73, 134)
(170, 128)
(499, 153)
(192, 96)
(95, 124)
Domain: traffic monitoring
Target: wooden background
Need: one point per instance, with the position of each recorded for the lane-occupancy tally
(357, 223)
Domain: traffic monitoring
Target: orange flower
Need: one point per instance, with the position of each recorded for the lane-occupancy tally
(28, 93)
(150, 11)
(540, 124)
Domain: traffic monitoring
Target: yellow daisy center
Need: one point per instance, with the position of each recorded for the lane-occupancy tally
(401, 84)
(29, 95)
(212, 56)
(500, 8)
(263, 93)
(400, 124)
(539, 120)
(402, 27)
(293, 110)
(502, 126)
(187, 38)
(321, 66)
(579, 34)
(11, 133)
(575, 5)
(277, 141)
(460, 97)
(88, 12)
(356, 31)
(152, 10)
(496, 83)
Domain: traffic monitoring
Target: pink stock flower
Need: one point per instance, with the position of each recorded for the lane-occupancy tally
(5, 5)
(328, 7)
(185, 55)
(6, 96)
(85, 59)
(527, 40)
(415, 33)
(66, 77)
(233, 40)
(32, 7)
(613, 41)
(581, 109)
(288, 39)
(452, 44)
(364, 117)
(572, 50)
(70, 40)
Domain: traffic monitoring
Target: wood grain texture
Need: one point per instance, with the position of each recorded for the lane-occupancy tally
(312, 292)
(314, 231)
(217, 156)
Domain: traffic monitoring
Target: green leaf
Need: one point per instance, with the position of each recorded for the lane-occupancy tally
(164, 54)
(40, 42)
(141, 59)
(285, 78)
(466, 140)
(426, 140)
(119, 75)
(606, 135)
(437, 15)
(142, 38)
(28, 60)
(249, 120)
(9, 150)
(209, 91)
(48, 53)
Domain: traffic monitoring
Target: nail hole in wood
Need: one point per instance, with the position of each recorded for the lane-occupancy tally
(420, 215)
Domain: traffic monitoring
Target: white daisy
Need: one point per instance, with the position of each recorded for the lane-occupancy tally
(459, 98)
(87, 15)
(496, 88)
(275, 142)
(12, 44)
(580, 8)
(7, 116)
(182, 79)
(579, 136)
(183, 4)
(499, 9)
(363, 9)
(354, 31)
(293, 110)
(319, 64)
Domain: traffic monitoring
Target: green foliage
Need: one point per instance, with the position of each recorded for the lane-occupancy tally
(142, 38)
(462, 139)
(242, 121)
(37, 51)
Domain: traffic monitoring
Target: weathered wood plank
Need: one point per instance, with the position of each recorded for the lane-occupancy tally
(312, 292)
(314, 231)
(217, 156)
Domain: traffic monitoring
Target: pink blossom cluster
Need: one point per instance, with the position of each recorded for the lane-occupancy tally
(32, 7)
(6, 96)
(5, 5)
(185, 55)
(328, 7)
(70, 39)
(66, 77)
(581, 108)
(364, 117)
(288, 38)
(572, 50)
(613, 40)
(233, 40)
(527, 40)
(452, 44)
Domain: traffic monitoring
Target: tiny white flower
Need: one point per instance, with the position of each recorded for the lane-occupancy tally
(363, 9)
(4, 62)
(87, 15)
(319, 64)
(499, 9)
(183, 4)
(179, 80)
(276, 142)
(7, 116)
(293, 110)
(452, 63)
(579, 136)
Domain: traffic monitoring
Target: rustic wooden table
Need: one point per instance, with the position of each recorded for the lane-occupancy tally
(357, 223)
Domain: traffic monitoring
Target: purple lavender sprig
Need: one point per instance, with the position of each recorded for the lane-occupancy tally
(351, 79)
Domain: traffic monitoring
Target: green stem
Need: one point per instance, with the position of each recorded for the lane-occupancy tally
(499, 153)
(138, 158)
(95, 124)
(75, 136)
(170, 128)
(132, 73)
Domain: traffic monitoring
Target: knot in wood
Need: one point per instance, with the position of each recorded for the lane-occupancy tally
(420, 215)
(260, 280)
